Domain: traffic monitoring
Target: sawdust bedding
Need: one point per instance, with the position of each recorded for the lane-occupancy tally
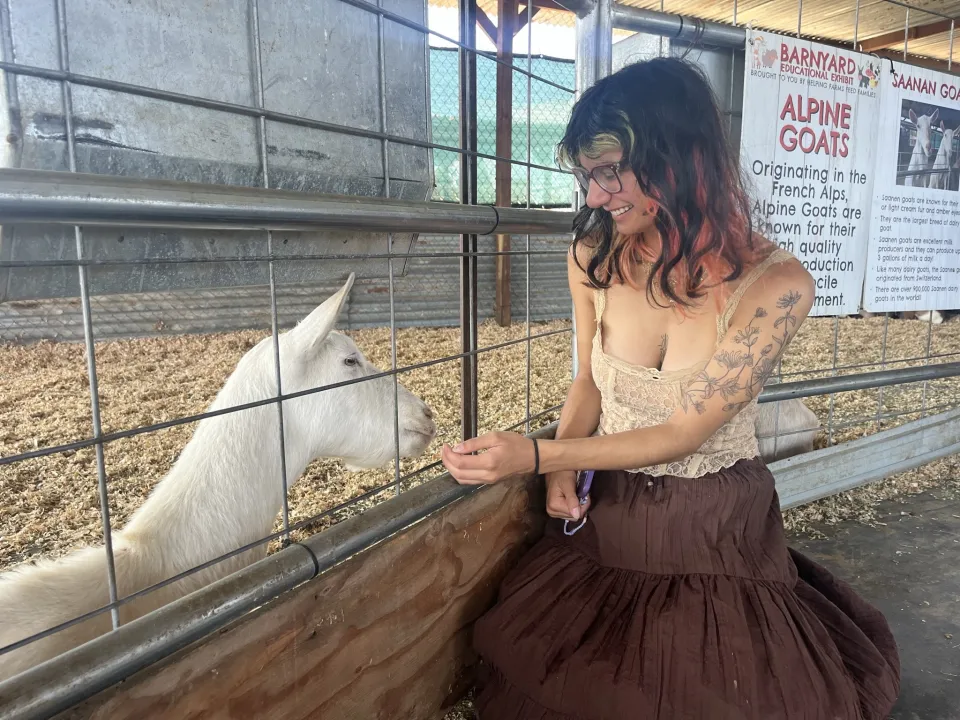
(50, 505)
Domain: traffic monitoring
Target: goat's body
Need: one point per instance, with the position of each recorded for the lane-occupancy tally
(38, 597)
(918, 163)
(941, 165)
(201, 510)
(920, 157)
(795, 423)
(223, 492)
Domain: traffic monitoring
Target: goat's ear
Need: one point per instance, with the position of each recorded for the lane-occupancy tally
(318, 324)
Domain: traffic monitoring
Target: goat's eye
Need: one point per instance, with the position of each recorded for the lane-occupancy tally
(351, 361)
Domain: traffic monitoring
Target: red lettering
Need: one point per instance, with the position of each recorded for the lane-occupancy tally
(788, 138)
(809, 142)
(789, 109)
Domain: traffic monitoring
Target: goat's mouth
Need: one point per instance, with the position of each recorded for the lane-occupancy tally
(427, 434)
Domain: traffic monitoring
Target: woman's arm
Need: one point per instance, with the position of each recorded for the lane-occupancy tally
(580, 414)
(766, 320)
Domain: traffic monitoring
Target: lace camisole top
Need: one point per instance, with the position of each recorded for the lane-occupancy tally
(634, 396)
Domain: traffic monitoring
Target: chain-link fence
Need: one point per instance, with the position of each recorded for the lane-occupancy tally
(551, 99)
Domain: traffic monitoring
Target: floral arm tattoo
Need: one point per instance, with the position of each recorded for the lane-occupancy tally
(744, 371)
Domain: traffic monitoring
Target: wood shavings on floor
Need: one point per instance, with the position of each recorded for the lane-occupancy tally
(50, 505)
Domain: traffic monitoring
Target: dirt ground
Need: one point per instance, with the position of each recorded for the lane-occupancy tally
(50, 505)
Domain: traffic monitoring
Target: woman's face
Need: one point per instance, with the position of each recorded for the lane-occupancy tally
(632, 211)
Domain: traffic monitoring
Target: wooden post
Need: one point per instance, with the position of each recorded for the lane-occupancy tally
(506, 29)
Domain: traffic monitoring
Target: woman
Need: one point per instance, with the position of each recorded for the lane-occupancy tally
(669, 592)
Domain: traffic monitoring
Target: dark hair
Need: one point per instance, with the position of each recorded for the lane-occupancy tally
(664, 117)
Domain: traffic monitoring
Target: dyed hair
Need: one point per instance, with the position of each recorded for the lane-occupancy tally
(662, 115)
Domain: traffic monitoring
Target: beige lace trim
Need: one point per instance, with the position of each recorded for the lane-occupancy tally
(634, 396)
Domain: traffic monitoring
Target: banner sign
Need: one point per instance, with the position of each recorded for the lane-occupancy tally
(912, 260)
(808, 148)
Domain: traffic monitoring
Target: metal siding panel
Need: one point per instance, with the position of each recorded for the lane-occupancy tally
(207, 51)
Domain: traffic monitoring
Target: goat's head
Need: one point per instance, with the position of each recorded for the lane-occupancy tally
(924, 123)
(354, 420)
(947, 142)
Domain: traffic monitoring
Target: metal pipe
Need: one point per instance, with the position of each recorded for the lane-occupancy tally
(678, 27)
(44, 196)
(271, 270)
(468, 239)
(63, 58)
(529, 158)
(292, 257)
(950, 59)
(906, 33)
(604, 38)
(863, 381)
(244, 110)
(385, 160)
(856, 25)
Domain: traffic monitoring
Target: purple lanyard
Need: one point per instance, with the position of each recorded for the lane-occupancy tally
(584, 481)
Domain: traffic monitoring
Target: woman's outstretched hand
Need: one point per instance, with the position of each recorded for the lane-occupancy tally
(507, 455)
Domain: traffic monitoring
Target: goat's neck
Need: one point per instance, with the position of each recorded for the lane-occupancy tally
(919, 157)
(225, 489)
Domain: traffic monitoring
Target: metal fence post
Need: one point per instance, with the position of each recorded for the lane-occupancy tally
(594, 60)
(468, 196)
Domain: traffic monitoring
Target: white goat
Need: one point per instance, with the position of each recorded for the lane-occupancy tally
(224, 491)
(920, 159)
(942, 164)
(797, 426)
(923, 316)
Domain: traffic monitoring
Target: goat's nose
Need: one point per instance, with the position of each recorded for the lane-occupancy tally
(428, 412)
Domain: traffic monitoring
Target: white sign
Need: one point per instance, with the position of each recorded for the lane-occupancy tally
(808, 149)
(913, 261)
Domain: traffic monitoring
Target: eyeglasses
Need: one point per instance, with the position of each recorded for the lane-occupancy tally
(607, 176)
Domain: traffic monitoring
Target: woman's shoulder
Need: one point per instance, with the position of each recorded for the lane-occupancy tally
(773, 273)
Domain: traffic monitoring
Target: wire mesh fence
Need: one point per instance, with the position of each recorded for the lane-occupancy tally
(93, 427)
(550, 105)
(166, 316)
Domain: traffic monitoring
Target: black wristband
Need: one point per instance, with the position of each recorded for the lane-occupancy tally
(536, 457)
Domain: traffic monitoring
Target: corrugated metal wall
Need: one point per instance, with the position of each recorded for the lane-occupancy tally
(426, 293)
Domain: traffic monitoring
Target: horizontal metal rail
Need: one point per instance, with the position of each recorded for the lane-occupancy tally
(777, 392)
(860, 381)
(78, 674)
(291, 257)
(247, 111)
(684, 28)
(53, 197)
(282, 397)
(678, 27)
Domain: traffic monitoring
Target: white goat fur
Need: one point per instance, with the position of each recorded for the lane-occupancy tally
(797, 425)
(224, 491)
(941, 180)
(920, 158)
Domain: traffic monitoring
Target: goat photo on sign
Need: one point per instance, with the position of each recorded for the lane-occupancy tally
(929, 139)
(224, 491)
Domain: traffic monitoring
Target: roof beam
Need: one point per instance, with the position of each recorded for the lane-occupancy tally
(915, 33)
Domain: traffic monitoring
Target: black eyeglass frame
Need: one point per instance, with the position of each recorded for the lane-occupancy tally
(609, 185)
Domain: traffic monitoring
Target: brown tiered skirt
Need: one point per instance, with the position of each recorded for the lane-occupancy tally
(679, 599)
